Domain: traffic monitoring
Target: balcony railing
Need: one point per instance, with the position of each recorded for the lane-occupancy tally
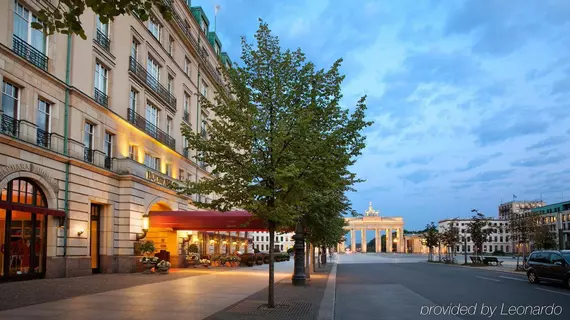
(186, 116)
(10, 125)
(108, 161)
(204, 133)
(140, 122)
(42, 138)
(33, 55)
(141, 73)
(102, 40)
(88, 155)
(101, 98)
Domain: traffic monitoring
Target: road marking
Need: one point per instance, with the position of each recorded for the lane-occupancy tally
(517, 279)
(566, 294)
(488, 279)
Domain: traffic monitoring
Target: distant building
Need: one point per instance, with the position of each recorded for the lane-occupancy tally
(283, 241)
(498, 240)
(557, 217)
(415, 243)
(517, 207)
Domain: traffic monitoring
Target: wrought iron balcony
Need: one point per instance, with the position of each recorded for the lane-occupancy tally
(28, 52)
(141, 73)
(10, 125)
(204, 133)
(43, 138)
(186, 116)
(102, 40)
(88, 155)
(140, 122)
(101, 98)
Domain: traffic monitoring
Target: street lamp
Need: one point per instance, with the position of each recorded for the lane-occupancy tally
(145, 225)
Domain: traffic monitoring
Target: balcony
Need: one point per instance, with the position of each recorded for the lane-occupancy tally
(88, 155)
(186, 116)
(33, 55)
(140, 73)
(102, 40)
(10, 125)
(140, 122)
(204, 133)
(42, 138)
(108, 162)
(101, 98)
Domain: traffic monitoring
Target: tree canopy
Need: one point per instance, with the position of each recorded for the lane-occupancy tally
(479, 231)
(65, 17)
(279, 144)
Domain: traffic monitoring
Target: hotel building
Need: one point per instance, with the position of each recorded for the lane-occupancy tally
(498, 239)
(90, 138)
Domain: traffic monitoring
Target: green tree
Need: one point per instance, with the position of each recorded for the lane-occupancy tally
(266, 144)
(522, 227)
(65, 17)
(479, 230)
(450, 237)
(431, 238)
(544, 239)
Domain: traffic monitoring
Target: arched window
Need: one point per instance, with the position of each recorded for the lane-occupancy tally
(23, 228)
(24, 191)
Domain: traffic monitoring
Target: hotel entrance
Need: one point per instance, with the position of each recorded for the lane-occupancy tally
(95, 238)
(23, 226)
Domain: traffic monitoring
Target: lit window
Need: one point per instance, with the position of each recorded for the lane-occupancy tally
(152, 162)
(133, 152)
(168, 169)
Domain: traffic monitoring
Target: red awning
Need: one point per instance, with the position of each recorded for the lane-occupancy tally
(26, 208)
(206, 220)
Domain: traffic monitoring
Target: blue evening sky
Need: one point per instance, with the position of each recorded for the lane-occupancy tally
(470, 98)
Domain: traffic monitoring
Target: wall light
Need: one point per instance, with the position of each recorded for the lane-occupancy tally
(145, 225)
(80, 232)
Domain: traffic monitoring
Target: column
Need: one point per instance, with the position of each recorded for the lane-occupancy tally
(403, 245)
(399, 241)
(352, 240)
(379, 240)
(388, 240)
(376, 240)
(363, 240)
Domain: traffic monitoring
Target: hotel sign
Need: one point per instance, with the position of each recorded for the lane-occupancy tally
(158, 179)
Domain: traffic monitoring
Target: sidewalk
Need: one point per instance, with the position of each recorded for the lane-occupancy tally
(292, 302)
(191, 297)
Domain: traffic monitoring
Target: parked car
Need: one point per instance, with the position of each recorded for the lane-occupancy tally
(549, 265)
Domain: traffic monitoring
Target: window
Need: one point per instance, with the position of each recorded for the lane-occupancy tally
(187, 67)
(10, 102)
(204, 129)
(154, 27)
(153, 68)
(102, 27)
(186, 115)
(88, 141)
(180, 174)
(42, 122)
(203, 26)
(152, 114)
(204, 89)
(189, 176)
(23, 19)
(135, 49)
(170, 84)
(134, 152)
(168, 169)
(101, 76)
(152, 162)
(168, 126)
(133, 100)
(170, 46)
(217, 49)
(108, 145)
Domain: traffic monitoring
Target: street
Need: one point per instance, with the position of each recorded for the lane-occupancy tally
(391, 286)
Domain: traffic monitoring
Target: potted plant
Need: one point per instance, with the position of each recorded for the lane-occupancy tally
(149, 262)
(205, 262)
(163, 267)
(193, 259)
(216, 261)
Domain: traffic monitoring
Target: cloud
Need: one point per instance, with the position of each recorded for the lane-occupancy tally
(548, 142)
(491, 175)
(492, 131)
(418, 176)
(477, 162)
(420, 160)
(536, 161)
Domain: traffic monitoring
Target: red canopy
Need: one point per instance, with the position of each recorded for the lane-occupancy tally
(27, 208)
(206, 220)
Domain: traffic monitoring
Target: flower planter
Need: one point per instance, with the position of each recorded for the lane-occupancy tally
(163, 270)
(148, 267)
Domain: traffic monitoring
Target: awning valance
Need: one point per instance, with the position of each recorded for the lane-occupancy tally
(26, 208)
(206, 220)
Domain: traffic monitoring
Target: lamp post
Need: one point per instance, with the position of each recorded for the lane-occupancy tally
(299, 277)
(465, 244)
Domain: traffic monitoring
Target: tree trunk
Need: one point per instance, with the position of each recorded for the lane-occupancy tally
(318, 257)
(271, 296)
(312, 261)
(307, 259)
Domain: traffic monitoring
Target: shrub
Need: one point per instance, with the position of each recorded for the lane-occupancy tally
(193, 248)
(290, 250)
(498, 253)
(147, 248)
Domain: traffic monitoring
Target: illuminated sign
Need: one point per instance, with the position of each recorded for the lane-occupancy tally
(158, 179)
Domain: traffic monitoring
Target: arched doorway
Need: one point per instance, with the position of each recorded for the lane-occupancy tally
(22, 230)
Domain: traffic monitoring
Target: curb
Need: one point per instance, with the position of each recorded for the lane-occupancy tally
(480, 268)
(326, 310)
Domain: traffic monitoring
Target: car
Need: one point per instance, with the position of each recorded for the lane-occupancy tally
(549, 265)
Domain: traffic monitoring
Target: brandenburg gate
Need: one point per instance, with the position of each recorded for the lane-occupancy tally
(373, 221)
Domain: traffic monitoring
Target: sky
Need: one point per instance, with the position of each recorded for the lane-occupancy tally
(470, 99)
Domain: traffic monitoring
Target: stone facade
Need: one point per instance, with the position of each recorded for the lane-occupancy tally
(499, 239)
(111, 165)
(283, 241)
